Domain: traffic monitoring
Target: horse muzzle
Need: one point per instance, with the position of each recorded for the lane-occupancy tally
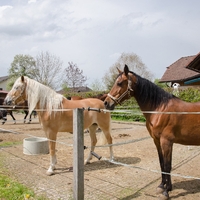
(8, 101)
(109, 105)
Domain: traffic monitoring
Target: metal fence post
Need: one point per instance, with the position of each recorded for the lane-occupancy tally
(78, 154)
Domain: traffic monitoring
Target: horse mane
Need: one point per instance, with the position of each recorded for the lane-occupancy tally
(151, 94)
(47, 98)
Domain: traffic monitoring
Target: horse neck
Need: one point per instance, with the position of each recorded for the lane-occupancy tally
(143, 107)
(146, 94)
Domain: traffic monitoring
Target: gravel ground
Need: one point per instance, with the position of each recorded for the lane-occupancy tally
(102, 180)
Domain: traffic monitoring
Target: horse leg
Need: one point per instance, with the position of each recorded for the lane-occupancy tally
(12, 116)
(4, 116)
(92, 130)
(26, 113)
(161, 187)
(30, 118)
(106, 131)
(166, 147)
(52, 148)
(4, 120)
(34, 113)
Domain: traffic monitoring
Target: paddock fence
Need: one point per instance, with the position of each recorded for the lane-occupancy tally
(133, 174)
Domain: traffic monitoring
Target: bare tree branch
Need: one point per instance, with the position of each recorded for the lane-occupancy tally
(74, 76)
(48, 70)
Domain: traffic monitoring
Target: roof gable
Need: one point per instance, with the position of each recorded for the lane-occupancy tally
(178, 71)
(195, 64)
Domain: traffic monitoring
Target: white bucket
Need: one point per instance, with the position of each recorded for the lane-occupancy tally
(34, 146)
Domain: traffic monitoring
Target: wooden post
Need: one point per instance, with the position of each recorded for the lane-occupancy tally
(78, 154)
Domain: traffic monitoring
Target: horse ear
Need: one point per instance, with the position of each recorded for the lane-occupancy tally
(126, 70)
(119, 70)
(22, 78)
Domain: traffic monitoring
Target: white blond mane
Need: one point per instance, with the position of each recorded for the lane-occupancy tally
(47, 98)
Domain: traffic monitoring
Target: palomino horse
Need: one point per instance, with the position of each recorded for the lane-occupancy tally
(56, 115)
(164, 120)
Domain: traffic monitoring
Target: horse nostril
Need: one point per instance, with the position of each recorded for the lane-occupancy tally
(8, 102)
(105, 103)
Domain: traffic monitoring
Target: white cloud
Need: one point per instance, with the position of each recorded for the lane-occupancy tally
(94, 33)
(32, 1)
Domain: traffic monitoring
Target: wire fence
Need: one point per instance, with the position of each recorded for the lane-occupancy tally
(110, 188)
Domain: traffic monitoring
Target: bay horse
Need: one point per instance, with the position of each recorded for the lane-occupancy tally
(164, 120)
(56, 115)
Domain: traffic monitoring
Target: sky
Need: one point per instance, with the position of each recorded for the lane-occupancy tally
(94, 33)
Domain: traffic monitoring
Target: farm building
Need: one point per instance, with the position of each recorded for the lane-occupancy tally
(3, 82)
(185, 72)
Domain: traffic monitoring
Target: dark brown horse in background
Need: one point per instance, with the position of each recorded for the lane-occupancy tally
(164, 120)
(5, 111)
(99, 96)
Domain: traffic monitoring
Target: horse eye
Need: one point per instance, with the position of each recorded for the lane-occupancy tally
(119, 84)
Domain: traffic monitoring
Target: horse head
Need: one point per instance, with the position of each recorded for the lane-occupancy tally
(121, 90)
(17, 95)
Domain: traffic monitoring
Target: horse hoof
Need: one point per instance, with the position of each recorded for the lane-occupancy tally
(87, 162)
(49, 173)
(164, 196)
(159, 190)
(111, 159)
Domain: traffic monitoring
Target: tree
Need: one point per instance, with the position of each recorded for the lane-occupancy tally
(45, 68)
(134, 63)
(22, 65)
(161, 85)
(97, 85)
(74, 76)
(48, 69)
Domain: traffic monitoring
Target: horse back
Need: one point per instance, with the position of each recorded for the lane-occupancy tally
(90, 114)
(63, 120)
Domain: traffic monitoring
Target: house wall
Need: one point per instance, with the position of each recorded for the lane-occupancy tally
(3, 85)
(192, 84)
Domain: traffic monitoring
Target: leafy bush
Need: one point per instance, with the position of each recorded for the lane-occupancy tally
(84, 94)
(190, 95)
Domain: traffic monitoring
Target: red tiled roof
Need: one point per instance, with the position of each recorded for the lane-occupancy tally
(178, 71)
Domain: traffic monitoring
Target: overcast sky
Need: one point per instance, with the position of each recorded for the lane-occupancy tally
(93, 33)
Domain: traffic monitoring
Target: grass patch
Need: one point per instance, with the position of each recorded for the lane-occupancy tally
(13, 190)
(129, 192)
(10, 189)
(130, 115)
(8, 144)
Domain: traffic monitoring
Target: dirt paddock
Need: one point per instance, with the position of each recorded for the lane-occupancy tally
(102, 180)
